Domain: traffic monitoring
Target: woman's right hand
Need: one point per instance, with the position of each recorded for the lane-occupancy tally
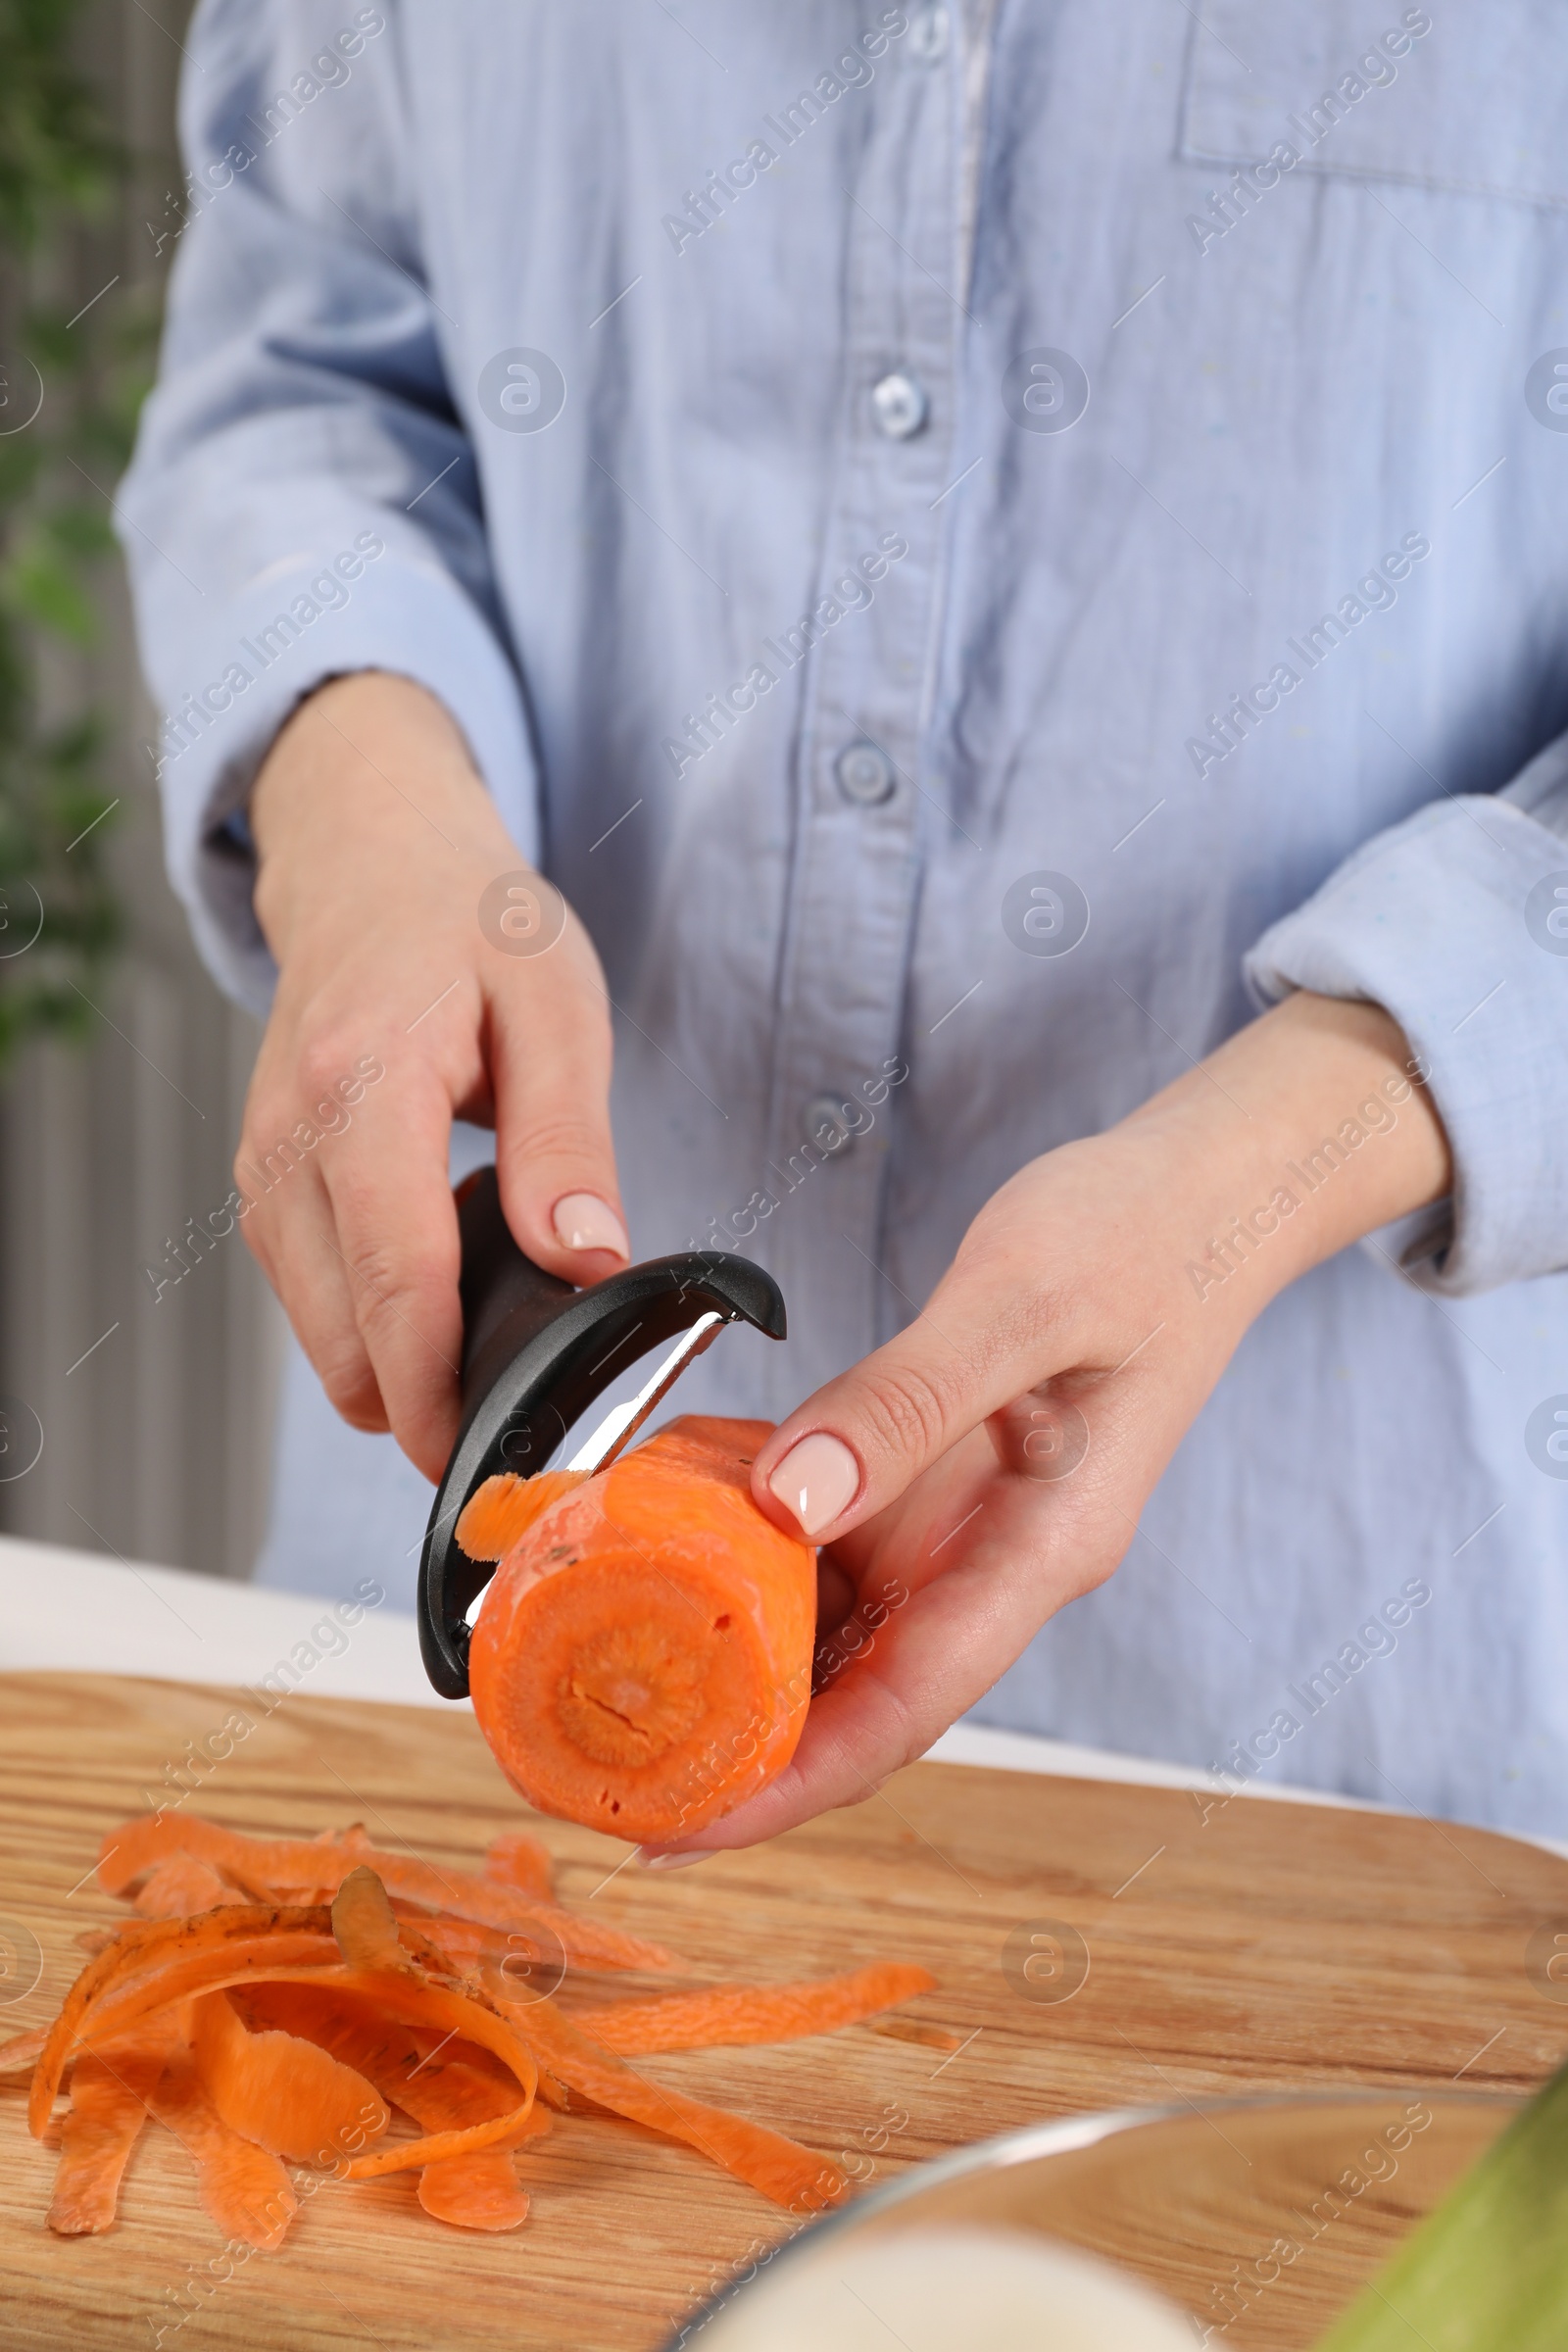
(377, 843)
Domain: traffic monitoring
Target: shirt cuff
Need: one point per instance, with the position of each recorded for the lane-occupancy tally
(280, 638)
(1440, 920)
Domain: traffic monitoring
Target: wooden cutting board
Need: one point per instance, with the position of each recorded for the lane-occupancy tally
(1230, 1947)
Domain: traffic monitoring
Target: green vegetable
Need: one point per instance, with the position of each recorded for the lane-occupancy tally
(1487, 2272)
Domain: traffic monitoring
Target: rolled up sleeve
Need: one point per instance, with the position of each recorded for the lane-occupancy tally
(1453, 922)
(303, 501)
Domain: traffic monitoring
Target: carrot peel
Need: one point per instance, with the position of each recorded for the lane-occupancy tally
(290, 2097)
(293, 1869)
(364, 1924)
(109, 2092)
(780, 2168)
(262, 2027)
(735, 2014)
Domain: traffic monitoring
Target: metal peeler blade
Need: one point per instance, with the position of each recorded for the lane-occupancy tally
(617, 1429)
(537, 1357)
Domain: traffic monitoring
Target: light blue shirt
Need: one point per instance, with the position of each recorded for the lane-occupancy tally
(978, 547)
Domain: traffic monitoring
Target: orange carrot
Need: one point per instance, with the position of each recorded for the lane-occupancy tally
(731, 2015)
(245, 2189)
(642, 1659)
(780, 2168)
(287, 2095)
(109, 2094)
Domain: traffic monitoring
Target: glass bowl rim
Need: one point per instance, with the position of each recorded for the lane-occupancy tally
(1061, 2136)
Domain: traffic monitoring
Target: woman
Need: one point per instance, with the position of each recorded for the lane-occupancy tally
(1006, 563)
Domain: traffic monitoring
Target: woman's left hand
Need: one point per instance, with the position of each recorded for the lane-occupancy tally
(989, 1463)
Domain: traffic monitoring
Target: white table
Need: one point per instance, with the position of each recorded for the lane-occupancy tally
(86, 1613)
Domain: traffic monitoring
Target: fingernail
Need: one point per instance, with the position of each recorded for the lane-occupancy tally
(671, 1861)
(582, 1221)
(817, 1480)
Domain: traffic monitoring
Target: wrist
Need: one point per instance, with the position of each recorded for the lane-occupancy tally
(1305, 1131)
(369, 770)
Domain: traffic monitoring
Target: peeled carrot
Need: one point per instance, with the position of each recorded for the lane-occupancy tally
(731, 2015)
(109, 2094)
(642, 1659)
(287, 2095)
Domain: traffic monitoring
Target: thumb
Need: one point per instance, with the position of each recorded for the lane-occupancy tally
(856, 1445)
(555, 1157)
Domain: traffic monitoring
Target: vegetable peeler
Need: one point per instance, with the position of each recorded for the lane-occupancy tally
(536, 1354)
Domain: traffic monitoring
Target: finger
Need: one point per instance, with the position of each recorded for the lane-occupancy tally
(856, 1445)
(550, 1061)
(289, 1228)
(396, 1238)
(916, 1538)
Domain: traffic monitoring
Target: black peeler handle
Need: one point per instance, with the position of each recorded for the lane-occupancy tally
(536, 1354)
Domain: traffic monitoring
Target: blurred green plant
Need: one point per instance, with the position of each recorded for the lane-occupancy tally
(84, 373)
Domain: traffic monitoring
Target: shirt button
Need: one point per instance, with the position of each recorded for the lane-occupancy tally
(864, 774)
(825, 1123)
(928, 37)
(900, 406)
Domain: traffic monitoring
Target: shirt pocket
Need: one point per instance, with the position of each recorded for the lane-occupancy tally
(1470, 98)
